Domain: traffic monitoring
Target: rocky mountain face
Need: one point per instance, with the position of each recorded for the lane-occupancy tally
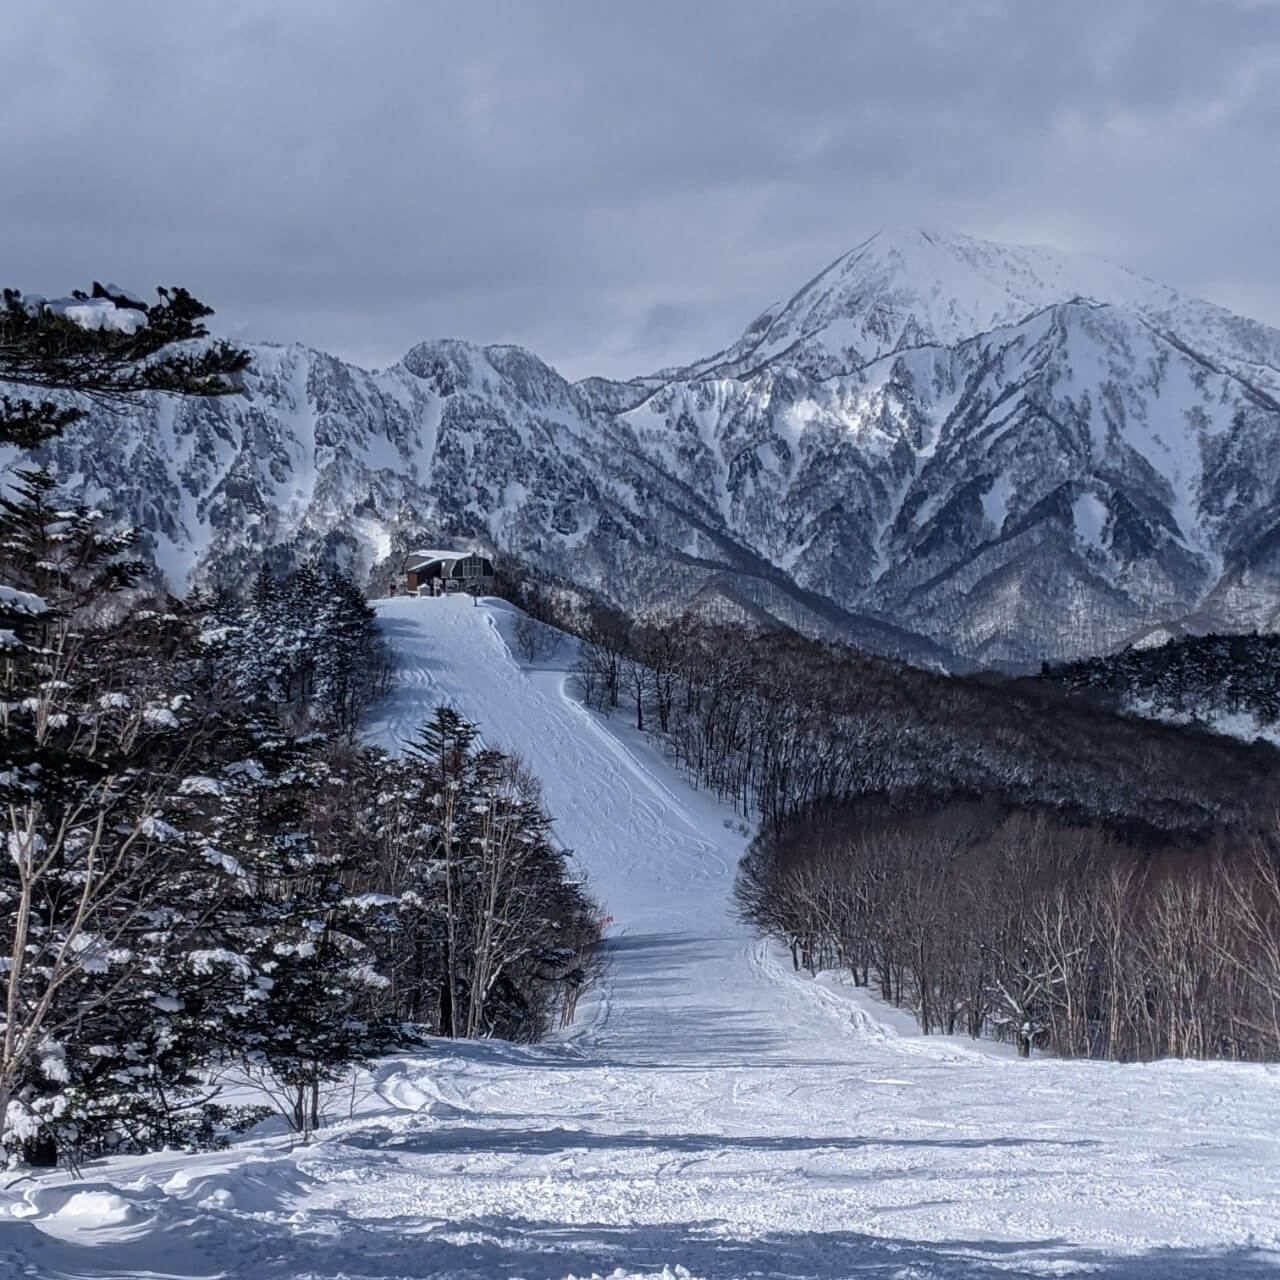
(939, 448)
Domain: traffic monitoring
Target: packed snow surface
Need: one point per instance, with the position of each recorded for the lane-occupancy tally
(710, 1114)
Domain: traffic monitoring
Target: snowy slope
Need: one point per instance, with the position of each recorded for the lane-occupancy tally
(710, 1111)
(656, 853)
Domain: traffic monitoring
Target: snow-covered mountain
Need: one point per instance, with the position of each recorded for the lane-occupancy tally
(912, 287)
(937, 446)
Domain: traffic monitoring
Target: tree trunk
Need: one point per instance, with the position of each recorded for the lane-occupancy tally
(41, 1152)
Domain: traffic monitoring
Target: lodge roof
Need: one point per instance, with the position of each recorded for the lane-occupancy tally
(420, 559)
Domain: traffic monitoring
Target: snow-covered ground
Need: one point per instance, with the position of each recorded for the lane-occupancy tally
(710, 1111)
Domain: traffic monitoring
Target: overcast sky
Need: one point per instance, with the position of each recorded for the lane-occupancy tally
(617, 186)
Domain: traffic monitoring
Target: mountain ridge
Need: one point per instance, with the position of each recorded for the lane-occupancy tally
(1017, 280)
(906, 454)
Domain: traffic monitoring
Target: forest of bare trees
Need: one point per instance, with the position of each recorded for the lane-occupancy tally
(776, 723)
(1000, 856)
(1016, 925)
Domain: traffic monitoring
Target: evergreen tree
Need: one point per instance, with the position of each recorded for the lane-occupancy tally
(105, 348)
(92, 736)
(100, 896)
(513, 926)
(307, 644)
(294, 937)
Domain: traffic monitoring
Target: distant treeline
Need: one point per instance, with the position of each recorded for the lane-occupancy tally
(1003, 856)
(777, 724)
(1195, 677)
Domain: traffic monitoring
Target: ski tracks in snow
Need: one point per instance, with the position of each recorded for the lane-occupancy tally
(710, 1111)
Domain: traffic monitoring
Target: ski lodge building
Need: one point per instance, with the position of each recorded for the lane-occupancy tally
(433, 573)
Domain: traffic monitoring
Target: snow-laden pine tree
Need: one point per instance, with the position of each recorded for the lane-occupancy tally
(306, 644)
(515, 926)
(289, 943)
(65, 355)
(91, 737)
(103, 890)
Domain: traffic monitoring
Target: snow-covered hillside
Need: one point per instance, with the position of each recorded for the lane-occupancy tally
(938, 447)
(709, 1110)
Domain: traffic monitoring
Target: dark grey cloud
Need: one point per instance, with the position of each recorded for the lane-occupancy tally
(617, 187)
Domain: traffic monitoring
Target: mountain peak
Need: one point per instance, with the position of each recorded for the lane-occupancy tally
(904, 238)
(911, 285)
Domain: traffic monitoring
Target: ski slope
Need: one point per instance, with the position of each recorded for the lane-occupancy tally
(710, 1113)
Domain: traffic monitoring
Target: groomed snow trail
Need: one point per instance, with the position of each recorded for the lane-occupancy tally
(710, 1111)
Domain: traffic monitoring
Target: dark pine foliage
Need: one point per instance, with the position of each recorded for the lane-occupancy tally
(1194, 677)
(162, 348)
(305, 644)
